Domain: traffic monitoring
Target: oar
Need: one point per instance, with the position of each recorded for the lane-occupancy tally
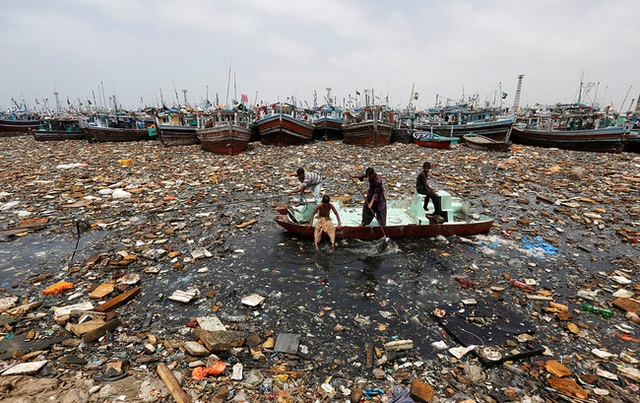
(386, 239)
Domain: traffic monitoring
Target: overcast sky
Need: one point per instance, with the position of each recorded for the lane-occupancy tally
(140, 49)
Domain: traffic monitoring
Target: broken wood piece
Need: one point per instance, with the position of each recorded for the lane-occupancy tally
(172, 384)
(101, 331)
(83, 328)
(118, 301)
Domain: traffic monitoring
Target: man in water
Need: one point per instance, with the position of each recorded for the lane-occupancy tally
(308, 180)
(422, 187)
(375, 204)
(324, 223)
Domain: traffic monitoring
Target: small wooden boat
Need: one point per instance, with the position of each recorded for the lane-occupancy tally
(405, 219)
(370, 126)
(432, 140)
(228, 133)
(478, 142)
(15, 127)
(285, 126)
(59, 129)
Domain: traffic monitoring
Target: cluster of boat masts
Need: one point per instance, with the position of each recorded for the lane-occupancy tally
(228, 130)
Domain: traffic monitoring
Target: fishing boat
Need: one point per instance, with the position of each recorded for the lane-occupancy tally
(606, 140)
(17, 126)
(405, 219)
(176, 128)
(327, 123)
(227, 133)
(368, 126)
(403, 130)
(432, 140)
(479, 142)
(458, 121)
(58, 129)
(284, 125)
(119, 128)
(573, 126)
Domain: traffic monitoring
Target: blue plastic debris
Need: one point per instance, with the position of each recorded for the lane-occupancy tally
(373, 392)
(545, 247)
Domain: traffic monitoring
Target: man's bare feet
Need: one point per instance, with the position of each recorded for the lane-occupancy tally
(317, 248)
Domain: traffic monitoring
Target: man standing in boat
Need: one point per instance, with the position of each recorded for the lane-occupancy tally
(309, 180)
(423, 188)
(375, 204)
(324, 223)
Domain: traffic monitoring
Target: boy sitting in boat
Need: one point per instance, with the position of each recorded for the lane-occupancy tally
(324, 223)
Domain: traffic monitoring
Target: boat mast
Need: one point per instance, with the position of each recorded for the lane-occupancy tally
(625, 99)
(413, 86)
(580, 90)
(226, 100)
(516, 99)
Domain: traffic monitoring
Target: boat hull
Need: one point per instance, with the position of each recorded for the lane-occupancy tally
(606, 140)
(368, 133)
(111, 134)
(483, 143)
(10, 127)
(497, 130)
(401, 135)
(405, 219)
(284, 130)
(58, 135)
(392, 231)
(633, 143)
(177, 135)
(224, 139)
(441, 144)
(327, 129)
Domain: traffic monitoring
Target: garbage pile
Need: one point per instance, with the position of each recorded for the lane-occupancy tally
(137, 272)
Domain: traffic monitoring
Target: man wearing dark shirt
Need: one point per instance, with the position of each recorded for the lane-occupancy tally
(422, 187)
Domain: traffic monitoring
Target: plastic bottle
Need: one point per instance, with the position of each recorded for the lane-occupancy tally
(604, 312)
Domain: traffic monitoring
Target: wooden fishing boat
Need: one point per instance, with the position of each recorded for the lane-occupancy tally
(175, 128)
(478, 142)
(15, 127)
(120, 128)
(607, 140)
(432, 140)
(370, 126)
(457, 122)
(573, 126)
(177, 135)
(405, 219)
(285, 126)
(327, 123)
(59, 129)
(228, 133)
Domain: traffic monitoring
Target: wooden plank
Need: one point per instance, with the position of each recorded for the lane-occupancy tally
(118, 301)
(172, 384)
(101, 331)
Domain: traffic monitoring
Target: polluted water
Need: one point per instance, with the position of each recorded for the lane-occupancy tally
(189, 240)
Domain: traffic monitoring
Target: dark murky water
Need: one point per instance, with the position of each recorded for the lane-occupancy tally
(381, 290)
